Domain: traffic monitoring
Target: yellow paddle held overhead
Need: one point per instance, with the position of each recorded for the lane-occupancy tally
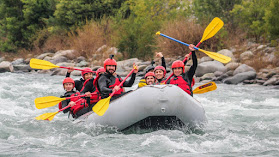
(49, 101)
(210, 86)
(215, 25)
(217, 56)
(41, 64)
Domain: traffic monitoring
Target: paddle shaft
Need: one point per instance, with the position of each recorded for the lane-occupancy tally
(77, 69)
(123, 81)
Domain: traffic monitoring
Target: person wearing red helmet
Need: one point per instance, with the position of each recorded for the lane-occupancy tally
(90, 86)
(85, 75)
(110, 81)
(75, 104)
(160, 73)
(150, 78)
(152, 68)
(181, 78)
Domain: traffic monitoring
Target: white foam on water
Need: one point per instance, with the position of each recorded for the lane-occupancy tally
(167, 143)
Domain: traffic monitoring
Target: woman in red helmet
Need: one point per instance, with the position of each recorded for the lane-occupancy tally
(90, 86)
(160, 73)
(181, 78)
(109, 81)
(77, 104)
(150, 78)
(85, 75)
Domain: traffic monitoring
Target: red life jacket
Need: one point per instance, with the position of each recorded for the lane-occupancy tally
(182, 83)
(70, 94)
(96, 96)
(80, 103)
(118, 80)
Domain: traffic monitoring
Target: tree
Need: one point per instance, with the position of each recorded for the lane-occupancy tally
(206, 10)
(136, 33)
(11, 23)
(272, 19)
(250, 17)
(77, 12)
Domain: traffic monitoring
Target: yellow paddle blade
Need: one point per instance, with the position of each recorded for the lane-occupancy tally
(210, 86)
(101, 107)
(217, 56)
(47, 116)
(41, 64)
(49, 101)
(215, 25)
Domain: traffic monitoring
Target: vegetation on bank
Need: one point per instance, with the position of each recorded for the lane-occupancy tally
(39, 26)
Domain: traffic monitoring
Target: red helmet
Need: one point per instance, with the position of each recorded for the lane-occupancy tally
(160, 68)
(68, 80)
(109, 61)
(149, 74)
(178, 64)
(85, 71)
(100, 70)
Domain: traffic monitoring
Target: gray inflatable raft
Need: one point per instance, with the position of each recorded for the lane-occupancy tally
(161, 106)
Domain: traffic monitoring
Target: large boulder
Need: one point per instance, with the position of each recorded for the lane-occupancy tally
(6, 66)
(272, 81)
(22, 67)
(228, 53)
(42, 56)
(58, 59)
(243, 68)
(209, 67)
(246, 55)
(232, 65)
(240, 77)
(125, 65)
(205, 59)
(208, 76)
(69, 54)
(18, 61)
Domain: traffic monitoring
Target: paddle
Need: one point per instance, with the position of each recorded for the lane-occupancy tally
(49, 101)
(50, 116)
(219, 57)
(214, 26)
(210, 86)
(101, 107)
(42, 64)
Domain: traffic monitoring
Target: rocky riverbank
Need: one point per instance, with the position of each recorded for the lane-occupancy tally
(235, 72)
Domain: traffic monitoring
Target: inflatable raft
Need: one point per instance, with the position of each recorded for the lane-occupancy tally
(158, 106)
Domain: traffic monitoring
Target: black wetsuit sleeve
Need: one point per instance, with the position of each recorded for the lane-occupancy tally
(102, 82)
(164, 62)
(89, 87)
(64, 104)
(78, 85)
(131, 81)
(186, 61)
(68, 74)
(193, 68)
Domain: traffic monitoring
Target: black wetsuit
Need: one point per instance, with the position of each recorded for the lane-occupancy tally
(106, 80)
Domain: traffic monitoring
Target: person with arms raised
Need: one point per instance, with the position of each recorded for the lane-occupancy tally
(181, 78)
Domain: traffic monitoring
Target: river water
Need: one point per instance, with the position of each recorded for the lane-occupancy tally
(242, 121)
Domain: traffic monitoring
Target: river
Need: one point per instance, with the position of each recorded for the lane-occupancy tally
(242, 121)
